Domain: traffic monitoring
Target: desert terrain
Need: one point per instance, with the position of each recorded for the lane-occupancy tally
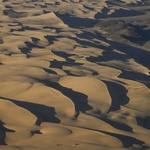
(74, 74)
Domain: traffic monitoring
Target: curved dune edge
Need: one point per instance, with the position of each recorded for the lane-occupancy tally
(74, 75)
(95, 90)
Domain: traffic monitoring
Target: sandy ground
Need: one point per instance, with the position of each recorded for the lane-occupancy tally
(74, 75)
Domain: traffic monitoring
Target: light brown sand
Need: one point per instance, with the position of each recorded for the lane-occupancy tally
(74, 75)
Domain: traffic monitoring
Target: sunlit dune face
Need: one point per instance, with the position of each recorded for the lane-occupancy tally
(74, 75)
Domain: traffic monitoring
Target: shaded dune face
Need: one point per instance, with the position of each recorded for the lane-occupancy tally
(74, 74)
(123, 31)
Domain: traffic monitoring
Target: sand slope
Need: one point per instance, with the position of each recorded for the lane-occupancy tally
(74, 75)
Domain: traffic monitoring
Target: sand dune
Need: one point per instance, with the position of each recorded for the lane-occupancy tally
(74, 75)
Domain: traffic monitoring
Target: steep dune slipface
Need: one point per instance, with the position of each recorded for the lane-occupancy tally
(74, 75)
(97, 93)
(44, 19)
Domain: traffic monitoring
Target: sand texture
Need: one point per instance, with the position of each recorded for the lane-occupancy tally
(74, 74)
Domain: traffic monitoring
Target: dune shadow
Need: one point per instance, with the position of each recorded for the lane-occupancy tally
(107, 55)
(55, 28)
(52, 38)
(12, 14)
(3, 131)
(117, 125)
(50, 71)
(127, 141)
(136, 76)
(34, 44)
(1, 63)
(124, 30)
(143, 122)
(4, 1)
(64, 55)
(75, 22)
(2, 137)
(79, 99)
(27, 50)
(86, 43)
(59, 64)
(118, 95)
(141, 56)
(30, 28)
(86, 40)
(118, 13)
(113, 123)
(1, 41)
(42, 112)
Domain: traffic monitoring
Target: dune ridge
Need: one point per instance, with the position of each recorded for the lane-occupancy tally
(74, 75)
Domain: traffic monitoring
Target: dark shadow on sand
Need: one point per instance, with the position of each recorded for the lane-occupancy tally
(79, 99)
(136, 76)
(3, 131)
(127, 141)
(118, 95)
(59, 64)
(12, 14)
(76, 22)
(42, 112)
(118, 13)
(143, 122)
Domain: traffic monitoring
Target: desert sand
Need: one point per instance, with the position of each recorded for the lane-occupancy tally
(74, 74)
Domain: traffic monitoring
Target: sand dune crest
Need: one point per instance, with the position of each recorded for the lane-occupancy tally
(74, 75)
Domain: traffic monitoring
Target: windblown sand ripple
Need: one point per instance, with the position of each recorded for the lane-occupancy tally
(74, 75)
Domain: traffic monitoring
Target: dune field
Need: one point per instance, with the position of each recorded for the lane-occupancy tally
(74, 74)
